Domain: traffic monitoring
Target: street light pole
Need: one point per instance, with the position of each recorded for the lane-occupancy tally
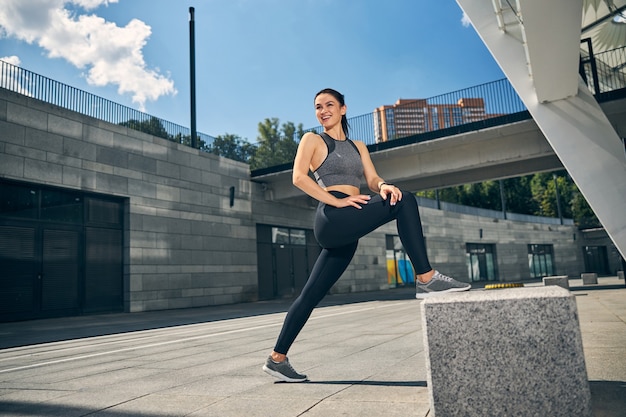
(192, 76)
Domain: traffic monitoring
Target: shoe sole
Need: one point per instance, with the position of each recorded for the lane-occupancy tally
(282, 377)
(435, 293)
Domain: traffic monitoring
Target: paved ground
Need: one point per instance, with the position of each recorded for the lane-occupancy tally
(363, 353)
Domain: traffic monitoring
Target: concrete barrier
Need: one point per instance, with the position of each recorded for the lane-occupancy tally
(620, 274)
(589, 278)
(560, 280)
(509, 352)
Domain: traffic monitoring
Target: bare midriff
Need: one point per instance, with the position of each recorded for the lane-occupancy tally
(346, 189)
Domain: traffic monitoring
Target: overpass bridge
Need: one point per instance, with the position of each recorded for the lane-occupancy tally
(501, 147)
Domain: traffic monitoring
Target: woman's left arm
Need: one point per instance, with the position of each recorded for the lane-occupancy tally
(374, 181)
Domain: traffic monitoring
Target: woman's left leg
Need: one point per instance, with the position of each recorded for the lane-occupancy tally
(330, 264)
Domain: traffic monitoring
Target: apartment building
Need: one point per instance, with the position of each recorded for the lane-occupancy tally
(409, 117)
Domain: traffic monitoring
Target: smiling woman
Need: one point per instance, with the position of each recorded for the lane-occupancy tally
(343, 216)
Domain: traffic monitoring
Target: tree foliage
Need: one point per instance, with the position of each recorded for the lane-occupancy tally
(276, 144)
(232, 147)
(152, 126)
(531, 194)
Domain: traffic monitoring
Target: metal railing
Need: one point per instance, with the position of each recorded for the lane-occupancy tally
(413, 117)
(494, 214)
(33, 85)
(604, 71)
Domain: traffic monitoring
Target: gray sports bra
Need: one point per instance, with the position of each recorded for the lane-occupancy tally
(342, 166)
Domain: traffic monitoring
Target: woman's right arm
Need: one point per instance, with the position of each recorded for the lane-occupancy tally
(309, 143)
(301, 165)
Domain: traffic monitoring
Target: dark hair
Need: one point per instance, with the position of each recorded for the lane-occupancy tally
(342, 102)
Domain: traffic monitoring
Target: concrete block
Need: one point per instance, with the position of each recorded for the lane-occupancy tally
(3, 110)
(508, 352)
(113, 184)
(589, 278)
(12, 133)
(560, 280)
(11, 165)
(620, 274)
(43, 171)
(64, 127)
(79, 149)
(27, 116)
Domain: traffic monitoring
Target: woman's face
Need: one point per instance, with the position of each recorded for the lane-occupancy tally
(328, 110)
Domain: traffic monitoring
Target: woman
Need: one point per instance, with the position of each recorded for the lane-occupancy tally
(343, 216)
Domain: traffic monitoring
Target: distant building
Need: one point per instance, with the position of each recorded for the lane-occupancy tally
(409, 117)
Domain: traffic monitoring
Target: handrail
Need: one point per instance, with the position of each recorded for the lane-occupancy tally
(405, 119)
(498, 99)
(417, 116)
(30, 84)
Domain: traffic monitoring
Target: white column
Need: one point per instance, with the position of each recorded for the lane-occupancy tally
(534, 50)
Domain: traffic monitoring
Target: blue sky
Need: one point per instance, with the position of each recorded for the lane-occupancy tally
(255, 59)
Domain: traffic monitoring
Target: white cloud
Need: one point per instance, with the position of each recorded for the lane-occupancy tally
(13, 60)
(465, 21)
(13, 79)
(109, 53)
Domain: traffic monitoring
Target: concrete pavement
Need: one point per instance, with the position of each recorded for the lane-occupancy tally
(363, 353)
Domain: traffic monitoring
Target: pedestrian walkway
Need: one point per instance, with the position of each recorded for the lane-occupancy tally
(363, 352)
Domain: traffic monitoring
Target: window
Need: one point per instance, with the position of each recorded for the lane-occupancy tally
(457, 116)
(61, 206)
(35, 202)
(435, 118)
(288, 236)
(596, 259)
(540, 260)
(481, 262)
(447, 117)
(399, 268)
(104, 212)
(18, 201)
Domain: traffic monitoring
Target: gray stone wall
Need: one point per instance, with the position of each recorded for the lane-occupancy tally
(447, 234)
(185, 245)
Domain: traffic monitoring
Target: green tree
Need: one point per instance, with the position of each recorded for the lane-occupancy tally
(232, 147)
(152, 126)
(544, 191)
(518, 195)
(482, 194)
(584, 217)
(530, 194)
(449, 195)
(276, 145)
(540, 193)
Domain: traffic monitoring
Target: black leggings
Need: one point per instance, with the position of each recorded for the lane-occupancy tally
(338, 231)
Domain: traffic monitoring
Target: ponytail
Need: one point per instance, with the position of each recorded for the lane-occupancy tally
(344, 125)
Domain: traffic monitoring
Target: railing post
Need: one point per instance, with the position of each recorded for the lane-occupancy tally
(594, 69)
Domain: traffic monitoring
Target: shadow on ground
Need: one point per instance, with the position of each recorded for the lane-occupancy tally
(372, 383)
(608, 398)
